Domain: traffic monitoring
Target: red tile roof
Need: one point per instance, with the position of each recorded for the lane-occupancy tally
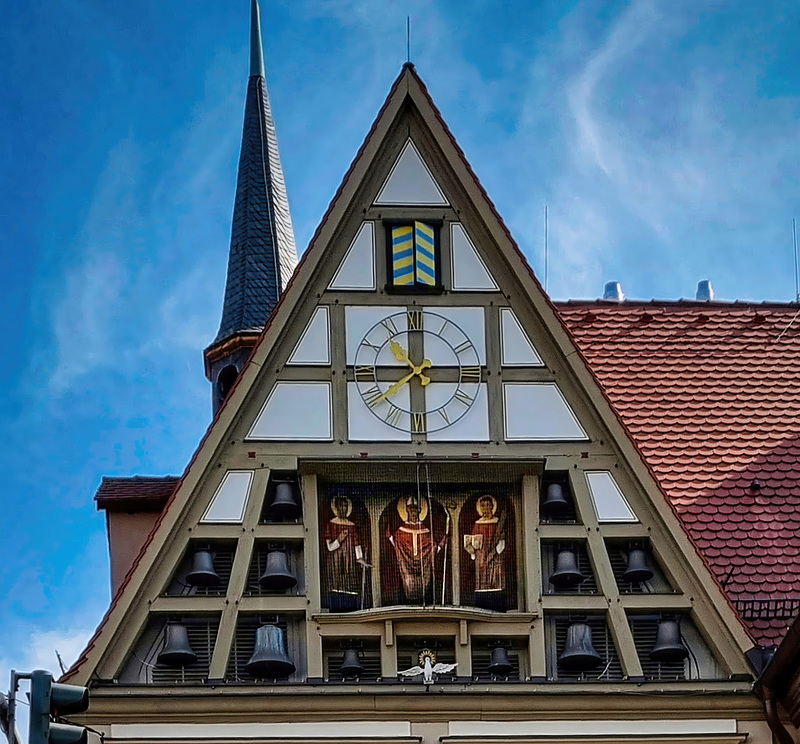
(139, 492)
(710, 393)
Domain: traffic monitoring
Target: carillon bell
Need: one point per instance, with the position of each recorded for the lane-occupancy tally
(555, 504)
(277, 575)
(270, 660)
(637, 570)
(202, 573)
(579, 654)
(351, 666)
(177, 651)
(669, 643)
(567, 572)
(500, 665)
(284, 505)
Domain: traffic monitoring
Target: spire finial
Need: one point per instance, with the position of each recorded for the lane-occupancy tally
(256, 47)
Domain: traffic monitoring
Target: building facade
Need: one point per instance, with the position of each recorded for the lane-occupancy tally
(433, 506)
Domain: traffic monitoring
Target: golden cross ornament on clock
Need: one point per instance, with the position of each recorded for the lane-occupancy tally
(417, 371)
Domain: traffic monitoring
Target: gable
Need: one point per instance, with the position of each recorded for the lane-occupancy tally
(451, 412)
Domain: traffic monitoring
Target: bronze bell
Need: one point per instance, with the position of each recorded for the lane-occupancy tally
(555, 504)
(202, 572)
(277, 575)
(351, 667)
(579, 654)
(284, 505)
(177, 652)
(669, 643)
(500, 666)
(637, 570)
(567, 572)
(270, 660)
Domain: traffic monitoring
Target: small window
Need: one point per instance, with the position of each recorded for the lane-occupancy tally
(414, 257)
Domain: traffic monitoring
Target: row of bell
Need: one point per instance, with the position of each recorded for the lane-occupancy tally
(568, 574)
(579, 654)
(269, 659)
(276, 576)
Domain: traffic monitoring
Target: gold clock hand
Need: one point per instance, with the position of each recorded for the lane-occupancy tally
(400, 353)
(395, 388)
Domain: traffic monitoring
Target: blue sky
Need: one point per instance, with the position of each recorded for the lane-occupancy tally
(662, 134)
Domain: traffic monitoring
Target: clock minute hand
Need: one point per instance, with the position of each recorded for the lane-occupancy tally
(395, 388)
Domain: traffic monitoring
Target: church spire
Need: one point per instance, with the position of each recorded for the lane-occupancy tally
(262, 251)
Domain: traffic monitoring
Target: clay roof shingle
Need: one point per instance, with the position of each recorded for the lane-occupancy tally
(138, 492)
(710, 393)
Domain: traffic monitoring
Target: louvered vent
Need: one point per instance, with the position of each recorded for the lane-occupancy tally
(610, 669)
(482, 658)
(244, 644)
(223, 563)
(618, 554)
(408, 650)
(565, 515)
(258, 564)
(202, 633)
(549, 553)
(645, 629)
(369, 656)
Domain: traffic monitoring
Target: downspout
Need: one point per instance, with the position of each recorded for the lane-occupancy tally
(772, 716)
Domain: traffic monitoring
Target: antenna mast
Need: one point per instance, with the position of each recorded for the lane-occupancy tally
(796, 264)
(546, 215)
(408, 38)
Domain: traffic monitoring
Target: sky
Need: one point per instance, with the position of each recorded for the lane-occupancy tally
(661, 134)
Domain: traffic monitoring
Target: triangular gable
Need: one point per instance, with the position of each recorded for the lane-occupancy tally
(185, 509)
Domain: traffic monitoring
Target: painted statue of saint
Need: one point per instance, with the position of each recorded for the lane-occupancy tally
(486, 547)
(416, 548)
(346, 562)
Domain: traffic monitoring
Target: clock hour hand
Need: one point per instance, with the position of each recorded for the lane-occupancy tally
(400, 353)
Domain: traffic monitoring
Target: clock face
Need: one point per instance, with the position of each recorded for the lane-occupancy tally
(417, 371)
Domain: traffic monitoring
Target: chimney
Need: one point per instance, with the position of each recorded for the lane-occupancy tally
(613, 291)
(704, 291)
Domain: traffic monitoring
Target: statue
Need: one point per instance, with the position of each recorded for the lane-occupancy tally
(486, 545)
(417, 543)
(345, 564)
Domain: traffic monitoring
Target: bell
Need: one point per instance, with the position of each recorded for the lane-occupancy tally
(500, 666)
(284, 505)
(203, 573)
(351, 666)
(177, 651)
(637, 569)
(270, 660)
(277, 575)
(579, 654)
(555, 503)
(567, 572)
(669, 643)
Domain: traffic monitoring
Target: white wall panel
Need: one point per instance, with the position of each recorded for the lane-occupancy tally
(610, 504)
(295, 410)
(364, 426)
(469, 319)
(516, 349)
(538, 411)
(410, 181)
(473, 426)
(314, 345)
(469, 271)
(230, 498)
(357, 270)
(359, 319)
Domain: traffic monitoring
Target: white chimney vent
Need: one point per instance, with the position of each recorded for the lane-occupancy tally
(705, 292)
(613, 291)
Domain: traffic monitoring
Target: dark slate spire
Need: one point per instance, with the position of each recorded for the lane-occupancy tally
(262, 254)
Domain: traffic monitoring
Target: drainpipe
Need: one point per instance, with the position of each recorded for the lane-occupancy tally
(773, 717)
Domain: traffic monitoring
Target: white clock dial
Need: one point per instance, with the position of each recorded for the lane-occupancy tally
(395, 355)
